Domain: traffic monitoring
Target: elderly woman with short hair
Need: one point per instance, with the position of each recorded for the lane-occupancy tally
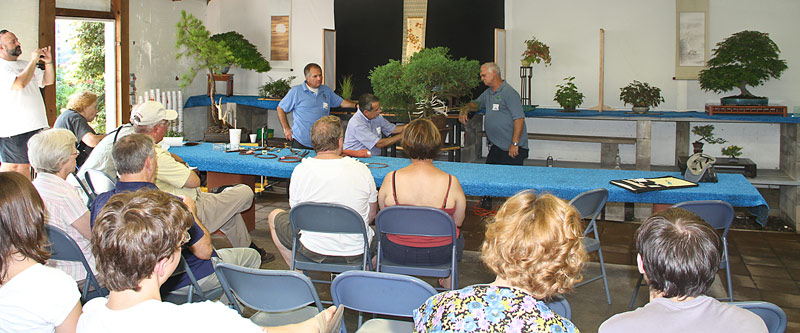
(52, 154)
(534, 246)
(81, 109)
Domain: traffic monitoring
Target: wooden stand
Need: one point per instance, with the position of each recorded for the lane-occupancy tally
(780, 110)
(525, 74)
(227, 78)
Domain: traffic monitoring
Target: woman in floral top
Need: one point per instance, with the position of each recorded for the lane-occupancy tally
(534, 246)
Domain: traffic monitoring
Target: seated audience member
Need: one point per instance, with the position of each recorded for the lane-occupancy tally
(137, 239)
(135, 158)
(52, 154)
(534, 245)
(679, 255)
(33, 297)
(81, 109)
(366, 127)
(423, 184)
(330, 178)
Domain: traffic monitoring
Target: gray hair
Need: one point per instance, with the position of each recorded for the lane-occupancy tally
(307, 69)
(50, 149)
(492, 67)
(147, 129)
(131, 151)
(366, 100)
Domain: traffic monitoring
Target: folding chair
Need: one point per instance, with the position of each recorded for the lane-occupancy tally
(194, 288)
(326, 218)
(98, 181)
(772, 315)
(560, 306)
(590, 204)
(86, 195)
(281, 297)
(381, 293)
(63, 247)
(719, 214)
(417, 221)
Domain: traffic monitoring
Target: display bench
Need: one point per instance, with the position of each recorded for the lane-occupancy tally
(787, 177)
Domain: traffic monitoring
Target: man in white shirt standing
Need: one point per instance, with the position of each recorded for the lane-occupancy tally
(328, 178)
(21, 105)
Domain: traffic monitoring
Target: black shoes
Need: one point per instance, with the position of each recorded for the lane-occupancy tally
(265, 256)
(486, 203)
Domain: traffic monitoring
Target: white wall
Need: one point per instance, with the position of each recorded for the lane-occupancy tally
(640, 45)
(22, 18)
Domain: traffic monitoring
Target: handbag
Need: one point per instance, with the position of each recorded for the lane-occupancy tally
(700, 168)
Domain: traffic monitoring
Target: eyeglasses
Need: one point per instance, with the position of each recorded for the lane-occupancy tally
(75, 153)
(186, 238)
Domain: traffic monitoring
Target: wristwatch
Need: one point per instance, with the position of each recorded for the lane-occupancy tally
(515, 143)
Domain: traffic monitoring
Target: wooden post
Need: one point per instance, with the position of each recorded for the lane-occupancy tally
(601, 106)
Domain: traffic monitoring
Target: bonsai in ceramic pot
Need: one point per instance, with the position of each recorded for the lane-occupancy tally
(746, 58)
(733, 152)
(567, 95)
(641, 96)
(706, 134)
(276, 89)
(535, 52)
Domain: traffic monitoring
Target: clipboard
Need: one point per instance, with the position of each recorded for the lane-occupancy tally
(641, 185)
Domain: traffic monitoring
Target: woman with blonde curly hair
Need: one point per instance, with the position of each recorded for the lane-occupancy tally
(81, 109)
(534, 246)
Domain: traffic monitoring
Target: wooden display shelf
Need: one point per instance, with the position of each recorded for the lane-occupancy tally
(744, 166)
(747, 109)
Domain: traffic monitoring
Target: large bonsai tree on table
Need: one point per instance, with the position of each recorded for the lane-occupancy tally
(430, 79)
(747, 58)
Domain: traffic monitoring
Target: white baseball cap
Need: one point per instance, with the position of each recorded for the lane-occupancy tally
(150, 113)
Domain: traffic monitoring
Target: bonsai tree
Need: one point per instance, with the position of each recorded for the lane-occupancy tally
(732, 151)
(245, 54)
(429, 80)
(746, 58)
(192, 41)
(567, 94)
(641, 94)
(706, 133)
(276, 89)
(535, 52)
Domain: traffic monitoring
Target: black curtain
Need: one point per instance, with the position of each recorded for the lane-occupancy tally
(368, 34)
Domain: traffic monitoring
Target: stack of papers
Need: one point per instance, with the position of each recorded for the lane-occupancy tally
(640, 185)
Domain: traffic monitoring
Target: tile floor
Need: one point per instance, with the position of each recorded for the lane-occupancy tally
(765, 265)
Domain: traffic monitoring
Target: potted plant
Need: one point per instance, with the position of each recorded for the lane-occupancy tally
(706, 133)
(535, 52)
(425, 85)
(346, 87)
(641, 96)
(245, 54)
(276, 89)
(733, 152)
(193, 42)
(567, 95)
(746, 58)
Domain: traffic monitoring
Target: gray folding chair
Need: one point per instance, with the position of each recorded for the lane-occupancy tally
(281, 297)
(326, 218)
(98, 181)
(63, 247)
(380, 293)
(590, 204)
(417, 221)
(86, 195)
(719, 214)
(194, 288)
(772, 315)
(560, 306)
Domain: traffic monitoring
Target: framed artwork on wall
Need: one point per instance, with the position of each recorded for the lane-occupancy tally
(691, 38)
(415, 36)
(279, 38)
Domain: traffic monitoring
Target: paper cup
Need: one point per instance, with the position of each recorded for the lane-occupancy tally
(236, 136)
(253, 138)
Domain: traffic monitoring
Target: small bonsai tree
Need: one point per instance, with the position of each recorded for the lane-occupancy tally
(535, 52)
(706, 133)
(747, 58)
(276, 89)
(732, 151)
(567, 94)
(424, 84)
(192, 41)
(245, 54)
(641, 94)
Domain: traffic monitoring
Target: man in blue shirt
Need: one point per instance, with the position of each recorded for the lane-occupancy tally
(367, 126)
(309, 101)
(135, 158)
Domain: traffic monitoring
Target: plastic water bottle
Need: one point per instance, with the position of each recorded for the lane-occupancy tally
(617, 162)
(549, 161)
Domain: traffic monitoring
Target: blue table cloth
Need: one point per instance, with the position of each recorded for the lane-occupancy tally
(505, 180)
(203, 100)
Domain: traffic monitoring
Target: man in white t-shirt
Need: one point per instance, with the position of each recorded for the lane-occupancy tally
(328, 178)
(679, 255)
(21, 105)
(137, 241)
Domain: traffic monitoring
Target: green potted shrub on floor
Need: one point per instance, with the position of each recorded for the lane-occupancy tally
(567, 95)
(641, 96)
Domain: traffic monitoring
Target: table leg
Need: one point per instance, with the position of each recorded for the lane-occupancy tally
(217, 179)
(643, 128)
